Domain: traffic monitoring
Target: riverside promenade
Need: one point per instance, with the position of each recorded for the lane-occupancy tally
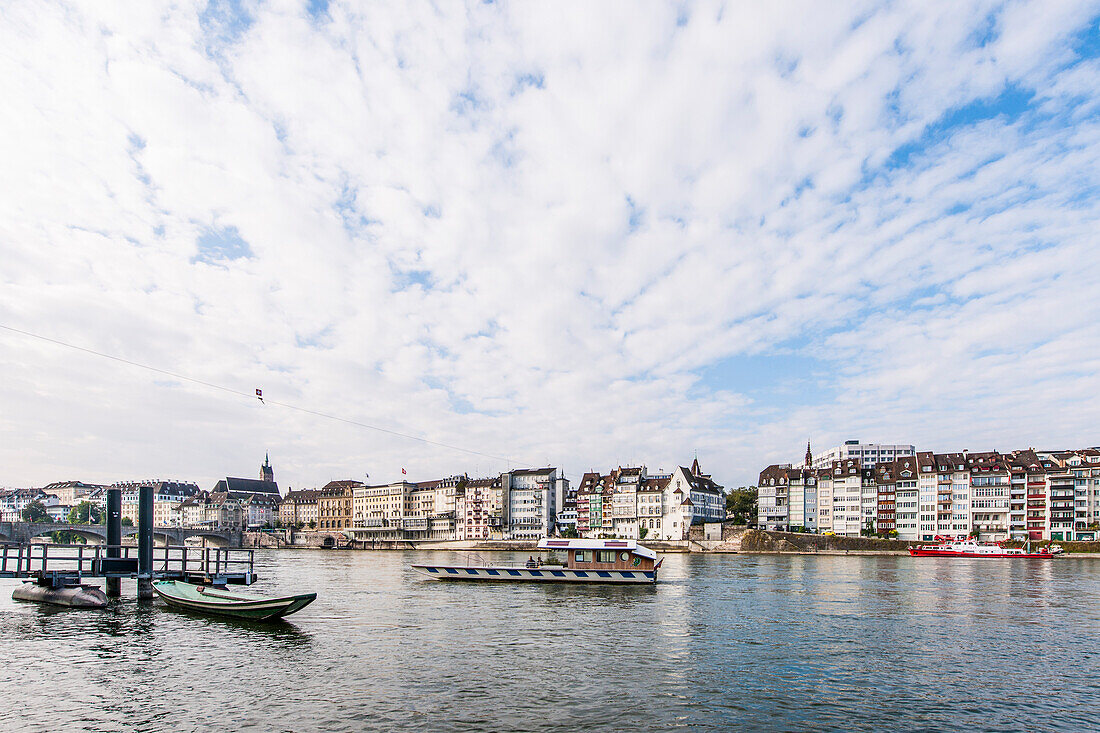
(732, 539)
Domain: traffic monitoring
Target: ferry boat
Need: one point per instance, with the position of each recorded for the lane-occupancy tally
(970, 548)
(586, 561)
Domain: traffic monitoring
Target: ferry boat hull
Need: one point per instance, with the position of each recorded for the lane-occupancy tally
(543, 574)
(998, 553)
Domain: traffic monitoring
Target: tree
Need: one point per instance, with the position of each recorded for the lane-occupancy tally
(643, 532)
(35, 512)
(85, 513)
(127, 522)
(741, 505)
(312, 524)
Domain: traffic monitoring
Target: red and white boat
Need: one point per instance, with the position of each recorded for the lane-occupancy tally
(970, 548)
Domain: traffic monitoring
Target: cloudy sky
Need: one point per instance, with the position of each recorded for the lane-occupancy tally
(583, 234)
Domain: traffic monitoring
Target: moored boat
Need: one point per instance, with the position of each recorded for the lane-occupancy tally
(222, 602)
(970, 548)
(586, 561)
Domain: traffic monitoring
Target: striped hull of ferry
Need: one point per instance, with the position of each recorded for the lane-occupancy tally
(543, 574)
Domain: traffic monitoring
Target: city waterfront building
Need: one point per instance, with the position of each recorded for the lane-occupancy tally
(167, 495)
(868, 454)
(71, 492)
(651, 500)
(771, 498)
(992, 496)
(530, 507)
(298, 508)
(334, 504)
(259, 511)
(210, 510)
(479, 510)
(629, 501)
(13, 501)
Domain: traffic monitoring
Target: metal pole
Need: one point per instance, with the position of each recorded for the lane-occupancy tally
(113, 587)
(145, 543)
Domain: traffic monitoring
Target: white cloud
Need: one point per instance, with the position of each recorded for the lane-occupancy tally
(526, 229)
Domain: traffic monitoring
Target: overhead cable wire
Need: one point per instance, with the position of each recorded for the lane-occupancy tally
(266, 400)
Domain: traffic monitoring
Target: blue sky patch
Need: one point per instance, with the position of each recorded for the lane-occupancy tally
(635, 215)
(218, 245)
(317, 9)
(1010, 105)
(776, 379)
(223, 23)
(405, 279)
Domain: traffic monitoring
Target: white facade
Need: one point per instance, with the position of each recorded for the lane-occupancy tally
(531, 502)
(868, 454)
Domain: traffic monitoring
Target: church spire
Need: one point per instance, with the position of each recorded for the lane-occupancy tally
(266, 472)
(809, 455)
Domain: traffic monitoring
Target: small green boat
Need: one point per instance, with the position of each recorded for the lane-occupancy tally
(222, 602)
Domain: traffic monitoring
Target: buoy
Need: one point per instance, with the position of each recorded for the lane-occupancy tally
(73, 596)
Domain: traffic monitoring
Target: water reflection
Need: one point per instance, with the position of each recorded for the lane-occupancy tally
(760, 642)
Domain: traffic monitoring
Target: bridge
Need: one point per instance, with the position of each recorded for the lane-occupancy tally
(24, 532)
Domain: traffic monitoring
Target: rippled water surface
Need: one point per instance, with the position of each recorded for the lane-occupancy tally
(757, 642)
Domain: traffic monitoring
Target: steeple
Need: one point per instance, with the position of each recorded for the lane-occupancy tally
(695, 466)
(809, 455)
(266, 472)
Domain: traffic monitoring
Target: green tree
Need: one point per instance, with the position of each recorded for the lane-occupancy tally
(741, 505)
(35, 512)
(642, 532)
(85, 513)
(312, 524)
(127, 522)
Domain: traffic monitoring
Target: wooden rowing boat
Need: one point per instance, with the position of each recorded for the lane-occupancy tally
(222, 602)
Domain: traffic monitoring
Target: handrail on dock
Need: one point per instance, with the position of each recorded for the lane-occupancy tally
(42, 559)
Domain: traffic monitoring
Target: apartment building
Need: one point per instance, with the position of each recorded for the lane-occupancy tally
(1025, 494)
(772, 510)
(298, 508)
(868, 454)
(334, 504)
(631, 503)
(479, 510)
(531, 508)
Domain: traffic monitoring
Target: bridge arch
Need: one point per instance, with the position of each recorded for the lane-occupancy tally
(211, 539)
(90, 536)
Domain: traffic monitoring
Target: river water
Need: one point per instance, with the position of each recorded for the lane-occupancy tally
(755, 642)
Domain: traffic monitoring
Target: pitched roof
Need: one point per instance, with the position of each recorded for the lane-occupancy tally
(241, 486)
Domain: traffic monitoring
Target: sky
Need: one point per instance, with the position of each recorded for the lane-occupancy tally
(573, 234)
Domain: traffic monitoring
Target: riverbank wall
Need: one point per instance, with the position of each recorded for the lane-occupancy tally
(731, 539)
(728, 539)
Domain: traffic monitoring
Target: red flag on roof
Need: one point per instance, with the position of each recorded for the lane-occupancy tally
(404, 471)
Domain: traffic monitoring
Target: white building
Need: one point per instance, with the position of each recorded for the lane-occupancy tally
(531, 496)
(868, 454)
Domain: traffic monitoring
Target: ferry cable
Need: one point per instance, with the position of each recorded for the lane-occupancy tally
(266, 400)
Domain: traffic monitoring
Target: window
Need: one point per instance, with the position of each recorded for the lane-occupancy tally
(607, 556)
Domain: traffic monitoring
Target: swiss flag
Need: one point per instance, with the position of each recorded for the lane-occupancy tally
(404, 471)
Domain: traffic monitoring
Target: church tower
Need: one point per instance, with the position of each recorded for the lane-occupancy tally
(266, 472)
(809, 455)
